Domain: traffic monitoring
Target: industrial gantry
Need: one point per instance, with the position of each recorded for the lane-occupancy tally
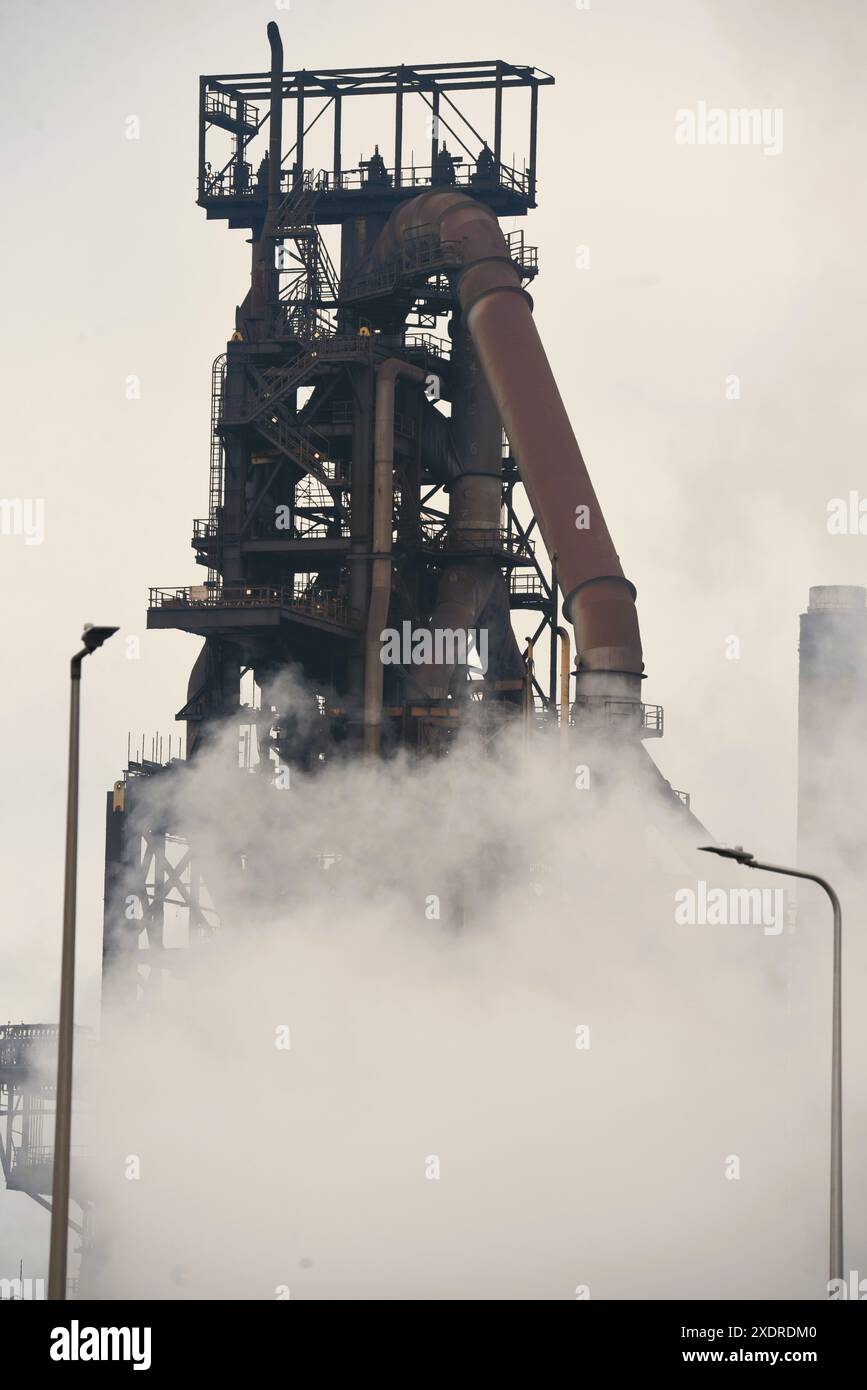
(373, 417)
(387, 445)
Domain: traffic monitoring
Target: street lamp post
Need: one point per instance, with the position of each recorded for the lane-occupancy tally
(92, 637)
(743, 856)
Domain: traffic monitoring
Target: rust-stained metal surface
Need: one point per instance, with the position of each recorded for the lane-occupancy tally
(599, 600)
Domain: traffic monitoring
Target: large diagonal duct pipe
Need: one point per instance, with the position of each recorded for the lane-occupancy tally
(598, 600)
(383, 511)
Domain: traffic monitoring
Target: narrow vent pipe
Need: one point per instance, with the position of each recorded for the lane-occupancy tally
(275, 120)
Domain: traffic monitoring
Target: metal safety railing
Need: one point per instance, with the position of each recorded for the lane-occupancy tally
(27, 1032)
(17, 1050)
(488, 540)
(318, 604)
(26, 1156)
(265, 527)
(216, 473)
(525, 257)
(234, 109)
(528, 584)
(650, 719)
(653, 720)
(235, 180)
(427, 343)
(425, 176)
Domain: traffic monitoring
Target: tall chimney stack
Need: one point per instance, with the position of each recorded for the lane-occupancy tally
(832, 731)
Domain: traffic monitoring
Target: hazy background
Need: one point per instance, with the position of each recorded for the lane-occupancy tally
(704, 262)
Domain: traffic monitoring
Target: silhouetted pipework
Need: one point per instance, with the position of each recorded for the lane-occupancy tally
(360, 483)
(293, 481)
(295, 540)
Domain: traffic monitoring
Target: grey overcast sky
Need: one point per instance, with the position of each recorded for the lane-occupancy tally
(705, 263)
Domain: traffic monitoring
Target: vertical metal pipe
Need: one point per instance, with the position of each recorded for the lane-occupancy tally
(835, 1252)
(534, 132)
(565, 673)
(552, 628)
(360, 522)
(63, 1105)
(383, 502)
(498, 116)
(239, 147)
(836, 1244)
(467, 582)
(398, 128)
(299, 133)
(434, 127)
(203, 87)
(275, 135)
(338, 117)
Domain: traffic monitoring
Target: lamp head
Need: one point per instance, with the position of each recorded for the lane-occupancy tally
(738, 853)
(93, 637)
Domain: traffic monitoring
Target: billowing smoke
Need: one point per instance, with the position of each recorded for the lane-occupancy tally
(452, 1041)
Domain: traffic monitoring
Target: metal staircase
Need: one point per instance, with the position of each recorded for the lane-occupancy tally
(296, 221)
(302, 445)
(275, 383)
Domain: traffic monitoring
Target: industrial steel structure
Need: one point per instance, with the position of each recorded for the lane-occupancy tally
(387, 447)
(27, 1110)
(377, 415)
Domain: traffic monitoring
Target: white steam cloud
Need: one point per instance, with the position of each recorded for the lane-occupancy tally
(552, 1088)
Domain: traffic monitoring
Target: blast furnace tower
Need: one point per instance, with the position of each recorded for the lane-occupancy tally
(387, 447)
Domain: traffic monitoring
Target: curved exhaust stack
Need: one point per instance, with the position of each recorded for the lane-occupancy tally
(250, 317)
(598, 599)
(275, 134)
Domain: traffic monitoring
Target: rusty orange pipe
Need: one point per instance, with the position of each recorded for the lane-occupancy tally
(599, 600)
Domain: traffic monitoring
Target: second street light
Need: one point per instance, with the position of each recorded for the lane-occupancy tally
(93, 638)
(742, 856)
